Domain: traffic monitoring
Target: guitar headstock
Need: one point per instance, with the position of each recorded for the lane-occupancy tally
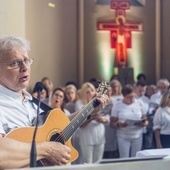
(103, 88)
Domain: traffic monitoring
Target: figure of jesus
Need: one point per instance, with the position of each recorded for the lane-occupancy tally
(120, 40)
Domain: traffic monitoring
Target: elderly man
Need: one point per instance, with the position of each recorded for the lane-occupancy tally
(155, 99)
(17, 110)
(162, 86)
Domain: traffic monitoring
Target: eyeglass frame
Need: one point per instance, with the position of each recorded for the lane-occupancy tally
(19, 63)
(58, 95)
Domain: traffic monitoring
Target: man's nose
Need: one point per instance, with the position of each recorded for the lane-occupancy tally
(24, 66)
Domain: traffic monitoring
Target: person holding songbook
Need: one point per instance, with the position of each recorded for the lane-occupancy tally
(129, 118)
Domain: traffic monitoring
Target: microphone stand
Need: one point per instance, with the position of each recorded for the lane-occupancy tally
(33, 153)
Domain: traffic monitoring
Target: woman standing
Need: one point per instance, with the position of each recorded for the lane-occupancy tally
(92, 132)
(48, 84)
(161, 122)
(57, 100)
(116, 91)
(126, 117)
(71, 97)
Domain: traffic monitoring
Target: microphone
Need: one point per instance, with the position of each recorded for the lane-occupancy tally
(33, 154)
(38, 87)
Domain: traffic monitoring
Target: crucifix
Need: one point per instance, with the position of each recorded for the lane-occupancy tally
(120, 31)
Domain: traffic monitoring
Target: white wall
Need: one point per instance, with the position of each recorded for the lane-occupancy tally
(53, 36)
(53, 33)
(12, 17)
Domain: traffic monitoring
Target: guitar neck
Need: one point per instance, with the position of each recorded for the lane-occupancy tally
(79, 119)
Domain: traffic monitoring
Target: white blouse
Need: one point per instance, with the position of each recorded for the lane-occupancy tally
(91, 134)
(162, 120)
(126, 112)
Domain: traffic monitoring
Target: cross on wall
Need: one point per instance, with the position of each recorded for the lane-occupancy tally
(120, 31)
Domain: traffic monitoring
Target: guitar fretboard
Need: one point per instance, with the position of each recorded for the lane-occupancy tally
(79, 119)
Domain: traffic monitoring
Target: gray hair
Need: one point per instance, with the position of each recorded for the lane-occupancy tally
(9, 43)
(163, 80)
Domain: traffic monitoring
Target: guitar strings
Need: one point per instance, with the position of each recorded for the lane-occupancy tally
(85, 111)
(80, 116)
(69, 128)
(73, 123)
(66, 131)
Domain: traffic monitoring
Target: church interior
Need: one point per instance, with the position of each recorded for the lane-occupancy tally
(68, 45)
(82, 40)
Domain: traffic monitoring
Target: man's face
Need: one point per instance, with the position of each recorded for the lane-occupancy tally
(18, 78)
(140, 90)
(162, 87)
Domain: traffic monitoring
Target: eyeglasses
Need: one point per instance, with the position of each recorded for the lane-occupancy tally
(58, 95)
(162, 87)
(18, 63)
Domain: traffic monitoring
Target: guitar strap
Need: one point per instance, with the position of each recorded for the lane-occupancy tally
(45, 108)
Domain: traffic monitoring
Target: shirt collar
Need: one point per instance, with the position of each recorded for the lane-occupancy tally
(15, 94)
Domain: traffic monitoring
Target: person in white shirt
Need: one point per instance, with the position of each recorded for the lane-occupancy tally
(128, 118)
(116, 90)
(140, 90)
(155, 99)
(161, 122)
(17, 109)
(71, 97)
(58, 100)
(150, 90)
(162, 86)
(91, 134)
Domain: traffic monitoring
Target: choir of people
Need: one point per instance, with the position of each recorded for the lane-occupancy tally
(128, 119)
(136, 117)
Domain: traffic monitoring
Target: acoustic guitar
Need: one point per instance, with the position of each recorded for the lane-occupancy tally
(58, 127)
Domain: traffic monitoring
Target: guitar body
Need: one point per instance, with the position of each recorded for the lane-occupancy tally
(58, 127)
(54, 124)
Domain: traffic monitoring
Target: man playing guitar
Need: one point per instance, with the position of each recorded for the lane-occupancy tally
(17, 110)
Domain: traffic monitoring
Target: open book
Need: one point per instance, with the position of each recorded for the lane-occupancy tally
(131, 122)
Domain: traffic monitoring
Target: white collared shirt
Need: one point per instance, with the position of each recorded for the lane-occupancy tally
(91, 134)
(124, 112)
(144, 101)
(14, 111)
(156, 98)
(162, 120)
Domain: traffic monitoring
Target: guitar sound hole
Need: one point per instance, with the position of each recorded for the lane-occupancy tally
(57, 138)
